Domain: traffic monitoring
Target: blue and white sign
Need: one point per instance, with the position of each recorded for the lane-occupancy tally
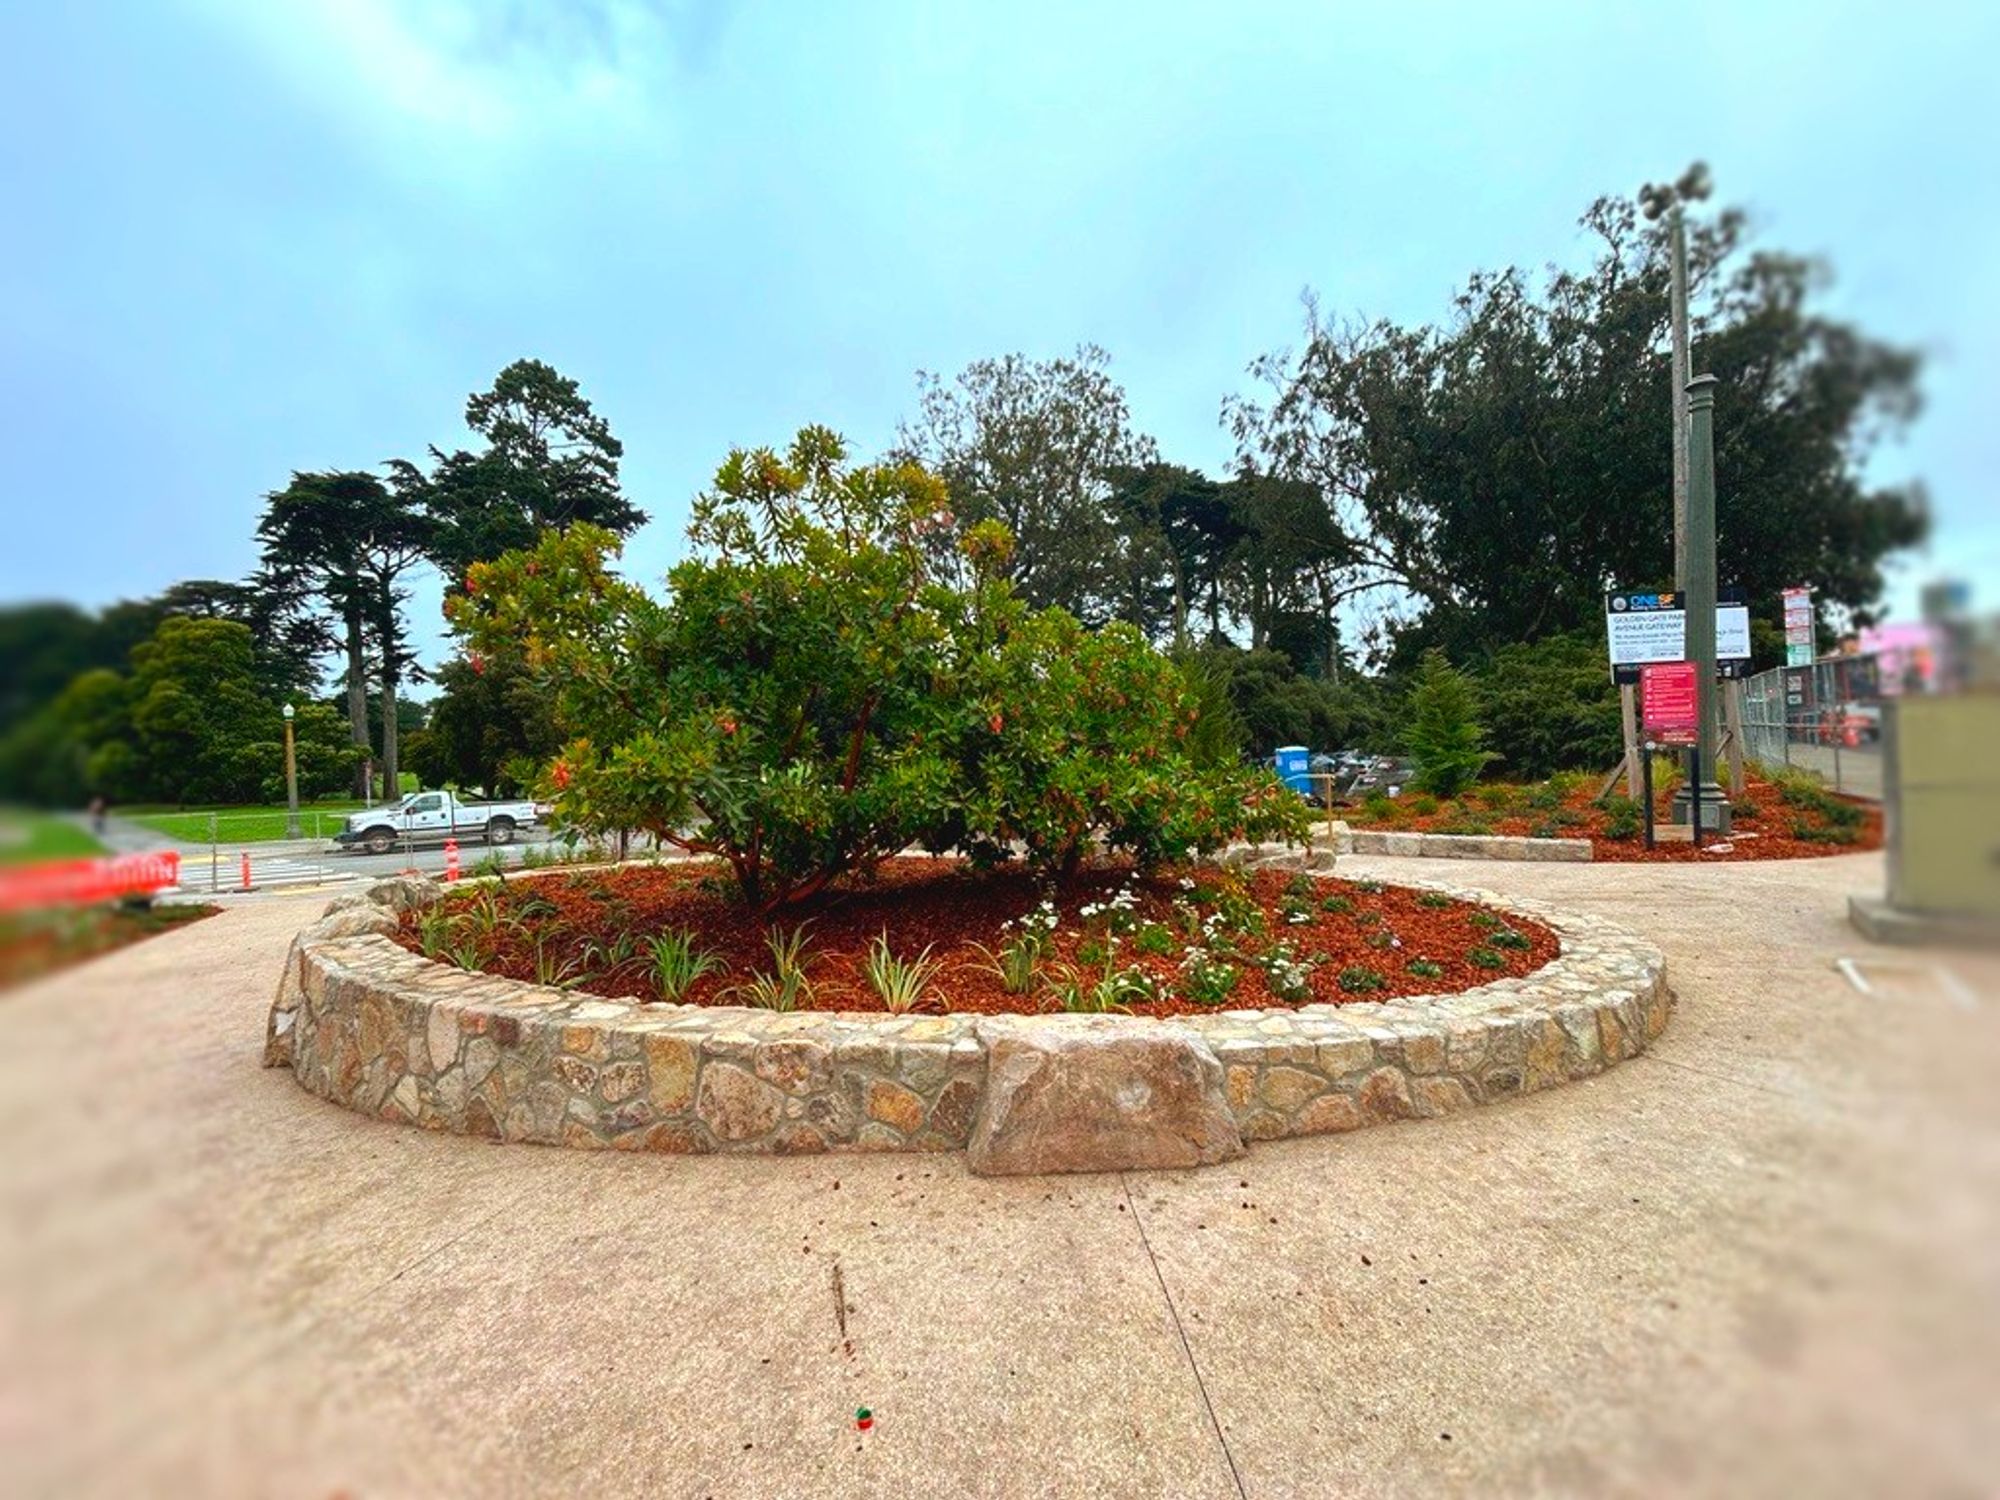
(1642, 629)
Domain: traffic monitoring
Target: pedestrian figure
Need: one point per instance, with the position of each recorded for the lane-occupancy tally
(97, 811)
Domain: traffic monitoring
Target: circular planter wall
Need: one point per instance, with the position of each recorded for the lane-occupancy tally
(368, 1024)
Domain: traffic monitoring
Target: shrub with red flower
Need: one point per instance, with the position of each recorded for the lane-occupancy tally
(820, 690)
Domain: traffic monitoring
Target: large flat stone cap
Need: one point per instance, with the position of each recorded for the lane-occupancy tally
(1098, 1094)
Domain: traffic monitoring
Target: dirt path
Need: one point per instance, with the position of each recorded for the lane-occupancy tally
(1762, 1259)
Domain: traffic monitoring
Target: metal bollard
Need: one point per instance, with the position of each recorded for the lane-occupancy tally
(246, 869)
(451, 859)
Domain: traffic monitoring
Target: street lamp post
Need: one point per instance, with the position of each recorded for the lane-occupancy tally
(291, 779)
(1701, 610)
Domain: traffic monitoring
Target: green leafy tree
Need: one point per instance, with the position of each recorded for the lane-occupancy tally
(1034, 445)
(549, 460)
(1490, 478)
(1443, 733)
(1093, 738)
(774, 710)
(193, 722)
(816, 693)
(1188, 522)
(1278, 705)
(45, 646)
(489, 728)
(324, 536)
(1550, 706)
(72, 746)
(1281, 567)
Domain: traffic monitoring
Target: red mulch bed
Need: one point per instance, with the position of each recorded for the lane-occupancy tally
(943, 904)
(1763, 827)
(35, 943)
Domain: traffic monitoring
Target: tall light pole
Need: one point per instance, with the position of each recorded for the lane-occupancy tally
(1668, 201)
(1700, 602)
(291, 779)
(1678, 315)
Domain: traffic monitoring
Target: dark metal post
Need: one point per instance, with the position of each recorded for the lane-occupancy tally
(1700, 603)
(1694, 807)
(1646, 775)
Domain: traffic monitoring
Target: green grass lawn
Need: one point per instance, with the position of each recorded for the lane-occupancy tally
(26, 837)
(249, 823)
(245, 824)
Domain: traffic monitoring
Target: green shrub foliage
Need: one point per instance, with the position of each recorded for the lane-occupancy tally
(1443, 734)
(827, 682)
(1550, 705)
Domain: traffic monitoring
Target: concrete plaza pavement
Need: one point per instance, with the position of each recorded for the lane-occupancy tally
(1763, 1259)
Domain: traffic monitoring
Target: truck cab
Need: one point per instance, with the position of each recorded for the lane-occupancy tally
(431, 817)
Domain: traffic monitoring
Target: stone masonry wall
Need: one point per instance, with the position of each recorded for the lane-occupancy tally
(369, 1025)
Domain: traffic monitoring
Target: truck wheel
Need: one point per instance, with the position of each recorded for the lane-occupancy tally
(379, 840)
(500, 831)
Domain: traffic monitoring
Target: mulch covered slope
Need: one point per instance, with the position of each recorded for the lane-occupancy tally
(1772, 821)
(35, 943)
(942, 905)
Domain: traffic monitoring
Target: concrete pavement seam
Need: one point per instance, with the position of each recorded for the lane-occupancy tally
(1236, 1477)
(1741, 1083)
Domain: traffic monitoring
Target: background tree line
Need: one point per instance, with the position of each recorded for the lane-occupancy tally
(178, 698)
(1472, 486)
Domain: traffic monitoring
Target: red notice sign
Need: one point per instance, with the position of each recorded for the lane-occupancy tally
(1668, 706)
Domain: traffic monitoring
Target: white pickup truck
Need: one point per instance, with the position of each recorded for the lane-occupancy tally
(433, 817)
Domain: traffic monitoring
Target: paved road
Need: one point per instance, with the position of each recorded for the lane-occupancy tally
(284, 865)
(1760, 1260)
(310, 862)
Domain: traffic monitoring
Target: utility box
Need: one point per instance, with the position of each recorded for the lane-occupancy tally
(1941, 801)
(1291, 762)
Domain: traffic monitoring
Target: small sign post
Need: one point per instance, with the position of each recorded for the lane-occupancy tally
(1799, 632)
(1670, 712)
(1669, 704)
(1646, 629)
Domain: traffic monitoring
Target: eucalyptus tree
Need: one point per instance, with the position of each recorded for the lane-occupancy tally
(1035, 445)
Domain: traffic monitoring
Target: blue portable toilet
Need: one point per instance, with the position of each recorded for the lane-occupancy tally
(1290, 762)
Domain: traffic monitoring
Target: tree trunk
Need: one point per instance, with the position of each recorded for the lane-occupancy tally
(1180, 603)
(390, 788)
(357, 699)
(390, 670)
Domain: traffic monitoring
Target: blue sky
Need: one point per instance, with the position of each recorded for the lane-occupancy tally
(244, 238)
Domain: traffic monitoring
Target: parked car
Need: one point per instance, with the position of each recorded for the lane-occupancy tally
(1351, 774)
(433, 817)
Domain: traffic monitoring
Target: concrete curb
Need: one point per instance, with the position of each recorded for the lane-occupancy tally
(1345, 840)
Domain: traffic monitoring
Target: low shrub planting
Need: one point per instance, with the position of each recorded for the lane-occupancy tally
(1565, 806)
(934, 935)
(901, 984)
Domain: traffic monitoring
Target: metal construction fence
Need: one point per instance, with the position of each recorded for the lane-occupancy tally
(1824, 718)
